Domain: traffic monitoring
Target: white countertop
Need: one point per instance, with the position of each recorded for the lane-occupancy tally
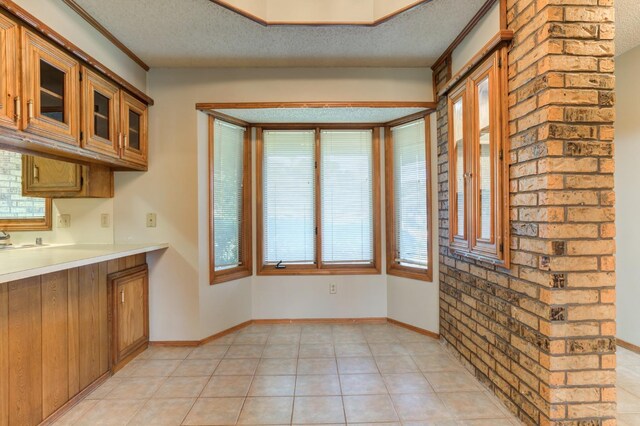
(17, 264)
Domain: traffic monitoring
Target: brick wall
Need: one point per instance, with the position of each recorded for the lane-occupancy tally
(541, 335)
(12, 204)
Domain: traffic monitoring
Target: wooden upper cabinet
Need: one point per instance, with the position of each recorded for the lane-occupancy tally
(101, 114)
(9, 96)
(43, 175)
(133, 125)
(50, 87)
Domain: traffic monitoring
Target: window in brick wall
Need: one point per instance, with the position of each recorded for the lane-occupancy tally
(478, 206)
(18, 212)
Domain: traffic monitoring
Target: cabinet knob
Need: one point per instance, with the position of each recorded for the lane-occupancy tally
(122, 297)
(30, 109)
(36, 173)
(17, 109)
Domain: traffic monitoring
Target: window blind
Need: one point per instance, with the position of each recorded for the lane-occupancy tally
(228, 150)
(347, 196)
(289, 196)
(410, 194)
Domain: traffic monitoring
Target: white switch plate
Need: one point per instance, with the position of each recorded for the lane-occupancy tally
(105, 220)
(333, 288)
(151, 220)
(64, 221)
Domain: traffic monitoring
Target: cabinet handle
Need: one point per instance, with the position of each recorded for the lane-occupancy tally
(30, 109)
(122, 297)
(120, 140)
(18, 109)
(125, 141)
(36, 173)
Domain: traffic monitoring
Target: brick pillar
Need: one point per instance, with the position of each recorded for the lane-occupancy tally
(542, 334)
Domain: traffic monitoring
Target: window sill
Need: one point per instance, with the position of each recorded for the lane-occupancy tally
(267, 271)
(411, 273)
(501, 263)
(229, 275)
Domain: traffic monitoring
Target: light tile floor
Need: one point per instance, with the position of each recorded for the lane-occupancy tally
(300, 374)
(628, 387)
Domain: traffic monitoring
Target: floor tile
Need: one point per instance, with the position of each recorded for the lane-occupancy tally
(352, 349)
(627, 402)
(225, 386)
(111, 412)
(236, 367)
(284, 339)
(224, 340)
(487, 422)
(349, 338)
(453, 381)
(437, 363)
(214, 411)
(169, 412)
(277, 366)
(357, 365)
(209, 352)
(316, 350)
(407, 383)
(387, 349)
(280, 351)
(317, 366)
(74, 414)
(151, 368)
(372, 408)
(628, 419)
(181, 387)
(362, 384)
(424, 348)
(266, 411)
(470, 405)
(160, 352)
(318, 409)
(196, 367)
(136, 388)
(317, 385)
(396, 364)
(251, 339)
(244, 351)
(315, 338)
(272, 386)
(103, 390)
(419, 407)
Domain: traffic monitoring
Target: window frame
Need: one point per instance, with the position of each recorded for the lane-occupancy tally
(318, 268)
(246, 267)
(394, 268)
(472, 245)
(33, 224)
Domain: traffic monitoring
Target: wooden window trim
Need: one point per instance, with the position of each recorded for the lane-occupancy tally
(246, 268)
(318, 268)
(393, 268)
(492, 65)
(38, 224)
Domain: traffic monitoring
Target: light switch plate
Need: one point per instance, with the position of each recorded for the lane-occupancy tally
(105, 220)
(151, 220)
(333, 288)
(64, 221)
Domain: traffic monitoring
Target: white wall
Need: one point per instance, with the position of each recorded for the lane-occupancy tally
(183, 304)
(70, 25)
(488, 27)
(417, 302)
(627, 175)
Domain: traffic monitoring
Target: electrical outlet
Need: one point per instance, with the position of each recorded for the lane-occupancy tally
(333, 288)
(105, 220)
(64, 221)
(151, 220)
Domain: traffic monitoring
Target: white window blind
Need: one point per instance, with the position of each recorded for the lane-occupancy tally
(410, 194)
(289, 196)
(347, 196)
(228, 150)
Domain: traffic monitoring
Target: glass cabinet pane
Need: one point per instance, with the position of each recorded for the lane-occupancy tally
(485, 209)
(101, 118)
(458, 138)
(134, 130)
(52, 92)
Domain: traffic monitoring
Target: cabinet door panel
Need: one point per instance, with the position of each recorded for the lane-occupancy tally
(9, 71)
(51, 82)
(133, 118)
(46, 175)
(101, 115)
(89, 324)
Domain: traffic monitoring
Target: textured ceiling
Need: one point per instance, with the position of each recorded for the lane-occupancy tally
(199, 33)
(320, 115)
(627, 25)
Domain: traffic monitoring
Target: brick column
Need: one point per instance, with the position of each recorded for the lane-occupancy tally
(542, 334)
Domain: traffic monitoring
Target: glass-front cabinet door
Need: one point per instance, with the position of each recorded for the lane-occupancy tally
(51, 83)
(133, 125)
(101, 101)
(9, 97)
(458, 168)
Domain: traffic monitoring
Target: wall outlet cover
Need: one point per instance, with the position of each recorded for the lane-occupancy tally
(64, 221)
(151, 220)
(105, 220)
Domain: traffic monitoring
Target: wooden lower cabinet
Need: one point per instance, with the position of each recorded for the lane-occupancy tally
(130, 309)
(55, 336)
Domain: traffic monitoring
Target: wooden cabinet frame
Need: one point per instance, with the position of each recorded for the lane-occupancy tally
(9, 97)
(127, 152)
(495, 249)
(92, 83)
(245, 268)
(319, 268)
(393, 267)
(35, 49)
